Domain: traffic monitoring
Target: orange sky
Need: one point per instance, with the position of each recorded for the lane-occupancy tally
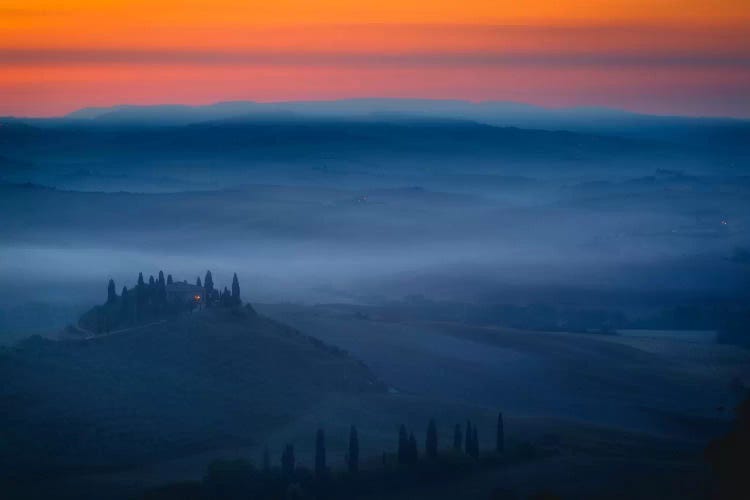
(665, 56)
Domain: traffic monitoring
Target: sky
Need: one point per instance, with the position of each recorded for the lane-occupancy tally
(687, 57)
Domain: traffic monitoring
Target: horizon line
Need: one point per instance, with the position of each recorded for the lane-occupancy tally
(623, 110)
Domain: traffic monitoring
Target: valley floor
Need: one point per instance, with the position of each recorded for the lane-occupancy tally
(616, 416)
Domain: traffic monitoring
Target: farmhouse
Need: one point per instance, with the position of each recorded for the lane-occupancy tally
(184, 293)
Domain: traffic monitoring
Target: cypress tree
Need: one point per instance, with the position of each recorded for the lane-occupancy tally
(287, 461)
(474, 443)
(236, 291)
(500, 445)
(403, 445)
(161, 289)
(266, 460)
(169, 279)
(198, 282)
(413, 451)
(111, 292)
(140, 299)
(431, 442)
(151, 294)
(208, 284)
(467, 439)
(353, 455)
(124, 305)
(457, 438)
(320, 454)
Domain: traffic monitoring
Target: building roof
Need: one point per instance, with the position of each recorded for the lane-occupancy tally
(184, 288)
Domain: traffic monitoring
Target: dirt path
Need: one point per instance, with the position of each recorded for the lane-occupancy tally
(89, 335)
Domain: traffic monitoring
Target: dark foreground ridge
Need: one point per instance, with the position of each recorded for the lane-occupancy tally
(407, 470)
(456, 471)
(189, 380)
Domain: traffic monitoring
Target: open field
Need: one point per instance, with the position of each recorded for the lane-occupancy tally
(607, 415)
(665, 386)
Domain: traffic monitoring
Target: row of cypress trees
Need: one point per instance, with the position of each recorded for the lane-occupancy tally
(224, 297)
(467, 442)
(407, 454)
(288, 462)
(148, 301)
(156, 292)
(144, 302)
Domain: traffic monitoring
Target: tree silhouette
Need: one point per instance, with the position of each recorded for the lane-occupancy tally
(124, 306)
(320, 454)
(198, 282)
(413, 451)
(353, 455)
(161, 290)
(457, 438)
(471, 440)
(236, 291)
(111, 292)
(403, 445)
(287, 461)
(140, 298)
(208, 284)
(500, 445)
(266, 460)
(474, 443)
(169, 279)
(431, 442)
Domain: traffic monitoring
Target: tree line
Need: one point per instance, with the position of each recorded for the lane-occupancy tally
(150, 300)
(230, 479)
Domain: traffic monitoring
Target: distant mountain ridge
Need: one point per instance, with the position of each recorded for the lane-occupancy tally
(348, 107)
(274, 138)
(374, 138)
(707, 132)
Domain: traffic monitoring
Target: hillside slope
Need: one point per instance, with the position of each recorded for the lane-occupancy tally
(195, 383)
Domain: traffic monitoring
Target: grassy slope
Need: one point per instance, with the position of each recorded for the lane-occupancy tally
(195, 383)
(662, 387)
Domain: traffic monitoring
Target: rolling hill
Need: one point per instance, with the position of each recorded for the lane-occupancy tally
(214, 378)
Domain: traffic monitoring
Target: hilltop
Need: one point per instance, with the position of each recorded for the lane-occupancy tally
(199, 381)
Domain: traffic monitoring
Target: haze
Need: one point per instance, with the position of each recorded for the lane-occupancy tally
(374, 250)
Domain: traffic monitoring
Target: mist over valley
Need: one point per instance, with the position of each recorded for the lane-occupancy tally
(574, 282)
